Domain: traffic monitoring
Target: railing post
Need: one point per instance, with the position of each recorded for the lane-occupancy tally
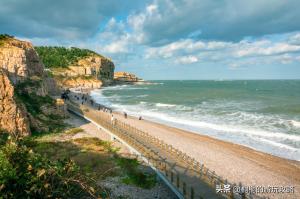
(212, 178)
(231, 195)
(184, 188)
(201, 171)
(192, 193)
(177, 180)
(165, 167)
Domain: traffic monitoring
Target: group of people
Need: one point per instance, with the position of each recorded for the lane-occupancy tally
(104, 109)
(84, 98)
(125, 116)
(65, 95)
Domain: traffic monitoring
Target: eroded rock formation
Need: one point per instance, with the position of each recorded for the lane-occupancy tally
(89, 72)
(120, 77)
(13, 116)
(20, 60)
(22, 83)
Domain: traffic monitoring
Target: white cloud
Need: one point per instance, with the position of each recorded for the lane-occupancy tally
(235, 55)
(166, 21)
(187, 59)
(265, 48)
(295, 39)
(120, 46)
(185, 46)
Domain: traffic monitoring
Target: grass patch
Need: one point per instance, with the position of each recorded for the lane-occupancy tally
(91, 154)
(134, 176)
(74, 131)
(97, 159)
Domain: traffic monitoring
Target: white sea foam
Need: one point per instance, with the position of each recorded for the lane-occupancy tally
(279, 145)
(295, 123)
(154, 83)
(165, 105)
(123, 87)
(142, 96)
(223, 127)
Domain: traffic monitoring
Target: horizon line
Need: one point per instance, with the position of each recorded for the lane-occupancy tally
(212, 79)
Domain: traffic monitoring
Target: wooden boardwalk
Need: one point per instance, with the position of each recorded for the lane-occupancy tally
(190, 178)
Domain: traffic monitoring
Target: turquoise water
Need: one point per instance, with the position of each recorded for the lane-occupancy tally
(261, 114)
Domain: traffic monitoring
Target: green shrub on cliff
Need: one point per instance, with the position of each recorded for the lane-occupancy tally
(39, 107)
(54, 57)
(26, 174)
(5, 36)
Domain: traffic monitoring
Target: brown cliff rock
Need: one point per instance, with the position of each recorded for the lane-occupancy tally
(89, 72)
(20, 60)
(13, 116)
(120, 77)
(23, 87)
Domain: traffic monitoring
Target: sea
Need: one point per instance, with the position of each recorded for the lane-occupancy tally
(261, 114)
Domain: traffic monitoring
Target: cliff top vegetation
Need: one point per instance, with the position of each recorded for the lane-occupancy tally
(62, 57)
(5, 36)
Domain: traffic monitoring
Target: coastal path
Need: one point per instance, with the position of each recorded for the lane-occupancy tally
(187, 177)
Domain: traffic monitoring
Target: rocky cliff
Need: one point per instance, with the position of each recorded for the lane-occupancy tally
(77, 67)
(23, 88)
(20, 60)
(125, 77)
(13, 116)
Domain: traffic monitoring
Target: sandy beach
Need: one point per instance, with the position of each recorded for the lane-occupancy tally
(236, 163)
(231, 161)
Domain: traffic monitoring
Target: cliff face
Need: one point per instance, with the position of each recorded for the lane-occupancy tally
(89, 72)
(22, 83)
(13, 116)
(20, 60)
(125, 77)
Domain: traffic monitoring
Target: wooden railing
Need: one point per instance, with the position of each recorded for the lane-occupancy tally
(141, 140)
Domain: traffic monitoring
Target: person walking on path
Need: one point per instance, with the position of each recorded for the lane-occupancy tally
(112, 120)
(125, 115)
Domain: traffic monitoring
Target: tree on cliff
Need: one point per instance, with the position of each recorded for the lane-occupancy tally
(5, 36)
(61, 56)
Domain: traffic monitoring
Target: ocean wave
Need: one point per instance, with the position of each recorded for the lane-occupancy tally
(142, 96)
(164, 117)
(154, 83)
(99, 98)
(279, 145)
(125, 87)
(164, 105)
(295, 123)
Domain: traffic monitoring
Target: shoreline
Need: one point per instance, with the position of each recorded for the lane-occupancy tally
(279, 138)
(234, 162)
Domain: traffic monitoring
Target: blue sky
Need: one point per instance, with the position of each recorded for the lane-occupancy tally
(169, 39)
